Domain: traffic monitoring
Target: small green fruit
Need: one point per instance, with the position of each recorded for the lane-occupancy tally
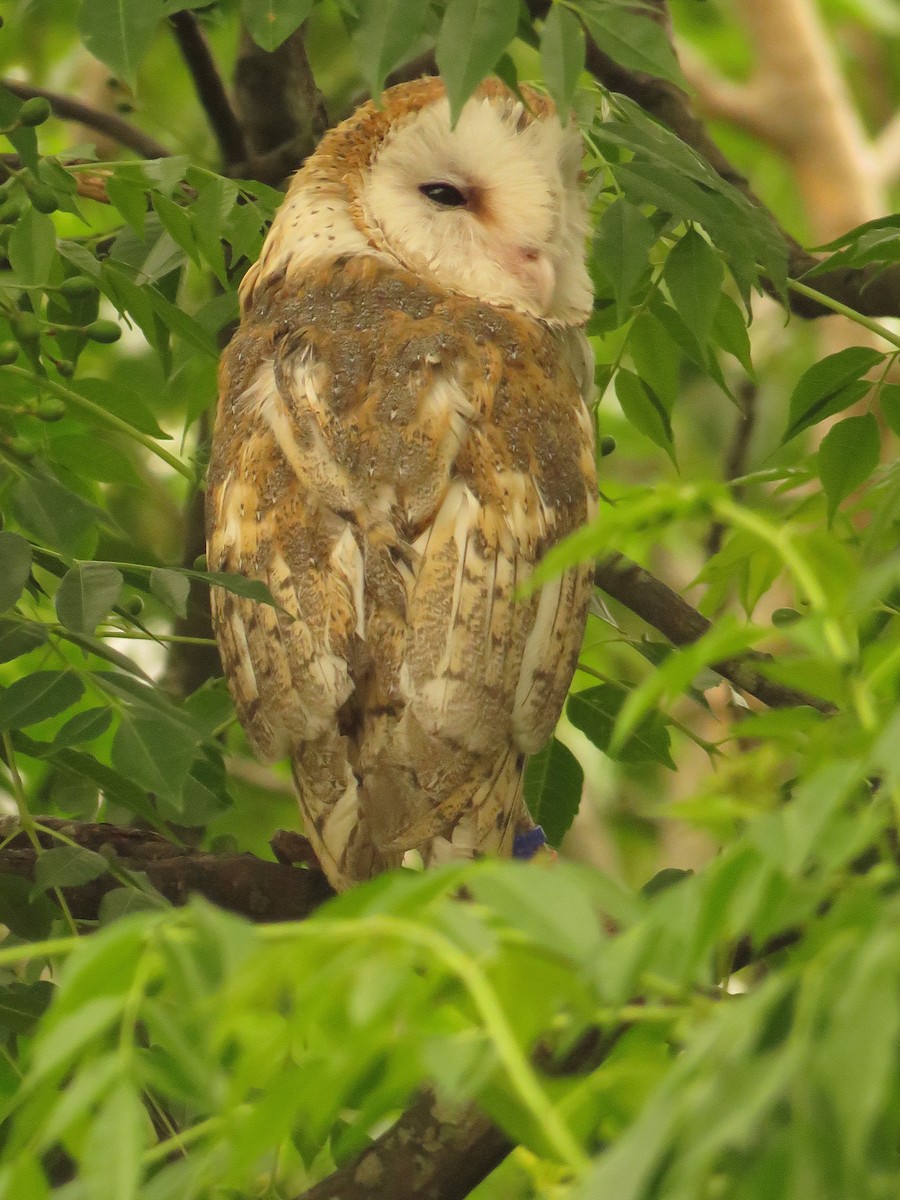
(9, 352)
(10, 210)
(43, 198)
(26, 327)
(50, 409)
(34, 111)
(103, 331)
(77, 287)
(22, 447)
(607, 445)
(200, 563)
(134, 606)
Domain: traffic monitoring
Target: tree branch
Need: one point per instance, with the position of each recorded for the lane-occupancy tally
(280, 106)
(113, 126)
(210, 87)
(430, 1153)
(655, 602)
(242, 883)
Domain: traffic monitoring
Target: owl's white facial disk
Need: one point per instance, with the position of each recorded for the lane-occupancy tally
(491, 209)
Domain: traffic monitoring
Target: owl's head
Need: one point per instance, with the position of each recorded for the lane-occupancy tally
(490, 208)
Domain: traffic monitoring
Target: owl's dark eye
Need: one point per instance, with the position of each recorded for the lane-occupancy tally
(443, 193)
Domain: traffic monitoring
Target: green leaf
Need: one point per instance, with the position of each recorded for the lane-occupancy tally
(240, 585)
(119, 32)
(15, 567)
(123, 901)
(17, 639)
(122, 402)
(622, 246)
(829, 386)
(83, 727)
(38, 696)
(644, 410)
(693, 275)
(889, 398)
(32, 247)
(22, 1005)
(67, 866)
(595, 712)
(562, 57)
(730, 331)
(631, 39)
(87, 592)
(553, 784)
(130, 198)
(270, 22)
(28, 917)
(847, 457)
(386, 35)
(474, 33)
(55, 515)
(155, 753)
(171, 588)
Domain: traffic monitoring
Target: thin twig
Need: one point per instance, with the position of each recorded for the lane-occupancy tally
(113, 126)
(210, 87)
(655, 602)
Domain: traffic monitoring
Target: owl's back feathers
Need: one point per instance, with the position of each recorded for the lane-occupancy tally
(392, 458)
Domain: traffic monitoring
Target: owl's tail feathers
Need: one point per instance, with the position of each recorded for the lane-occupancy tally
(490, 821)
(334, 822)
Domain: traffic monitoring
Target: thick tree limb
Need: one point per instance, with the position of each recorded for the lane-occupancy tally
(655, 602)
(430, 1153)
(280, 107)
(113, 126)
(242, 883)
(210, 88)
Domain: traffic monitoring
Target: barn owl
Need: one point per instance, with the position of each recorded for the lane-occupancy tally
(401, 434)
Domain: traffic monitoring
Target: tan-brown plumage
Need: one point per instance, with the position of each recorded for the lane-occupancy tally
(392, 456)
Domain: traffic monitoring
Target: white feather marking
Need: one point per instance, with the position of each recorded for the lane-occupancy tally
(347, 560)
(538, 647)
(343, 817)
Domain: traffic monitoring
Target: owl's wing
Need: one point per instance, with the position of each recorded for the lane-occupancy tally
(485, 670)
(290, 666)
(394, 482)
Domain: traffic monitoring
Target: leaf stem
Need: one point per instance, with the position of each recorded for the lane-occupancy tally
(844, 310)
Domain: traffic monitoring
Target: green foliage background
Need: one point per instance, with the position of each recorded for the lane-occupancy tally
(188, 1054)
